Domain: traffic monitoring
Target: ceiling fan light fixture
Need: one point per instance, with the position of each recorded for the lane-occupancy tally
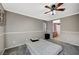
(55, 7)
(53, 12)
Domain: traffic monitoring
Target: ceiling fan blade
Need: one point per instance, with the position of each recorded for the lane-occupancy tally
(47, 7)
(47, 12)
(61, 9)
(59, 4)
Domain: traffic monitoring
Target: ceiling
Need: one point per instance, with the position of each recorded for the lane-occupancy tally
(36, 10)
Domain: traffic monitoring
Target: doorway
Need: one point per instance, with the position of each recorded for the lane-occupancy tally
(56, 29)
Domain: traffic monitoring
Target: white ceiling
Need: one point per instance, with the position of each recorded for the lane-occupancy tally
(36, 10)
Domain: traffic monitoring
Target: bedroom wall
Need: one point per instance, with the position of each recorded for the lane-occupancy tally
(1, 34)
(50, 28)
(19, 28)
(70, 29)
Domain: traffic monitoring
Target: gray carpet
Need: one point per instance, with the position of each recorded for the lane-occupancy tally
(20, 50)
(68, 49)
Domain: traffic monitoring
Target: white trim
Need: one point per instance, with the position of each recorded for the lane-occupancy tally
(21, 32)
(70, 32)
(65, 16)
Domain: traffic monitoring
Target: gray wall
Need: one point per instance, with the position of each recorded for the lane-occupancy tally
(70, 23)
(19, 28)
(70, 29)
(50, 28)
(1, 34)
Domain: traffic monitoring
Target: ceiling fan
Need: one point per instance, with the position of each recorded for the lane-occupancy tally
(54, 7)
